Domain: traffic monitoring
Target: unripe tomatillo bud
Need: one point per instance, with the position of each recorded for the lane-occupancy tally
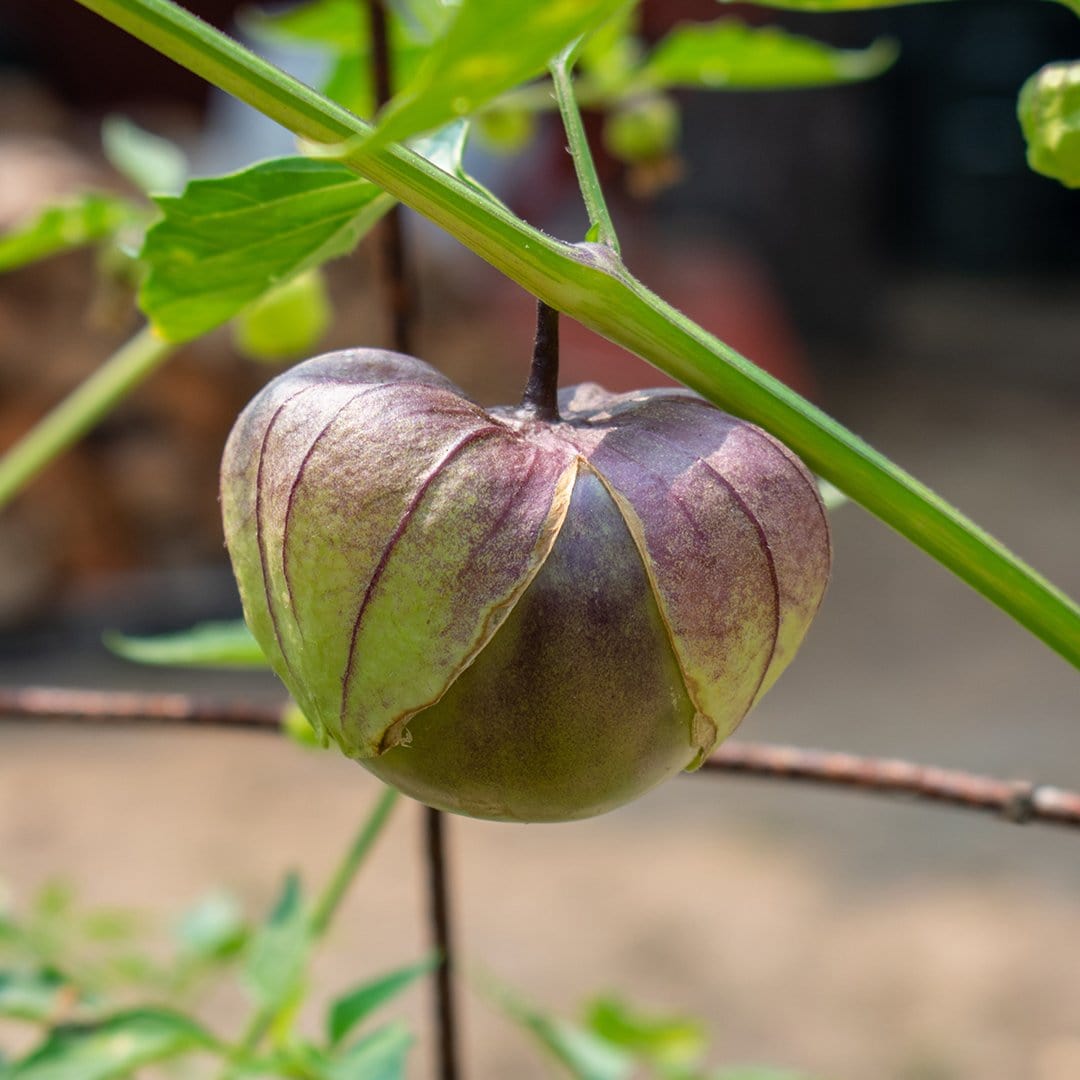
(1049, 111)
(511, 616)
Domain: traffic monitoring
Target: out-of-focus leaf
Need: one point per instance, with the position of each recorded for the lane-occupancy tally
(35, 995)
(279, 949)
(112, 1048)
(214, 644)
(342, 27)
(427, 19)
(288, 322)
(731, 55)
(64, 227)
(663, 1041)
(1049, 111)
(110, 925)
(489, 47)
(225, 241)
(586, 1055)
(612, 53)
(352, 1008)
(335, 24)
(378, 1056)
(213, 929)
(153, 164)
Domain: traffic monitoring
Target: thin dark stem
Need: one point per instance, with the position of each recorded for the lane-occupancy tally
(541, 397)
(401, 304)
(445, 973)
(1018, 801)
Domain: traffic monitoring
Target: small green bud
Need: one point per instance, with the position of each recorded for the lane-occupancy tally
(644, 129)
(1049, 111)
(287, 322)
(511, 617)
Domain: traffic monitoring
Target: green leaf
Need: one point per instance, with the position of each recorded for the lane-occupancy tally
(35, 995)
(586, 1055)
(112, 1048)
(728, 54)
(225, 241)
(1049, 111)
(288, 322)
(663, 1041)
(352, 1008)
(336, 24)
(490, 47)
(151, 163)
(279, 949)
(64, 227)
(379, 1056)
(213, 644)
(214, 929)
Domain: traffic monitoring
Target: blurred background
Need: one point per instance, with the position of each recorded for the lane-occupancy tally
(881, 247)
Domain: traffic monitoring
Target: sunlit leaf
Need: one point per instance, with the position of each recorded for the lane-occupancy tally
(1049, 111)
(585, 1054)
(213, 929)
(489, 47)
(64, 227)
(153, 164)
(225, 241)
(288, 322)
(336, 24)
(662, 1040)
(35, 995)
(378, 1056)
(279, 949)
(728, 54)
(214, 644)
(112, 1048)
(352, 1008)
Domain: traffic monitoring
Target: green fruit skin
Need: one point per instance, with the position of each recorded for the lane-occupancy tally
(509, 618)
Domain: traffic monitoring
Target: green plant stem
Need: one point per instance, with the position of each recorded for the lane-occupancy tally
(591, 285)
(600, 221)
(80, 410)
(330, 900)
(322, 915)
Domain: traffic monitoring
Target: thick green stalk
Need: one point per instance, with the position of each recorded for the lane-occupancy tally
(595, 204)
(80, 410)
(589, 283)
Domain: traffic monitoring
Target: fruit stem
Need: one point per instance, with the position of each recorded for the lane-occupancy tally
(541, 397)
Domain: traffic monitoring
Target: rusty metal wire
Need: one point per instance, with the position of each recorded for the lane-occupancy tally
(1018, 801)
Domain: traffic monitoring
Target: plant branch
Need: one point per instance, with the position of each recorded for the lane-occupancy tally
(1020, 801)
(601, 227)
(589, 284)
(80, 410)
